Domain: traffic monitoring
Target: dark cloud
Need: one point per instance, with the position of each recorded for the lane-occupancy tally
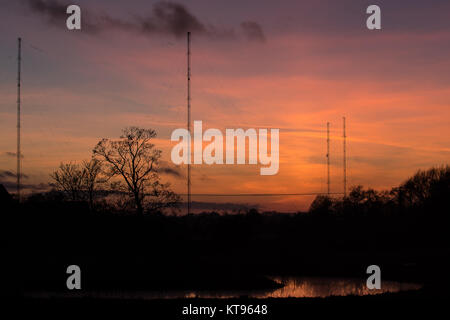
(253, 31)
(205, 177)
(171, 171)
(172, 18)
(166, 18)
(12, 154)
(5, 174)
(11, 186)
(55, 11)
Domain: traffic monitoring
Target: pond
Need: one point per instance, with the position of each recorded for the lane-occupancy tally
(311, 287)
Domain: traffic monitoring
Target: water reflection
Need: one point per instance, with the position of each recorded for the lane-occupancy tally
(294, 287)
(309, 287)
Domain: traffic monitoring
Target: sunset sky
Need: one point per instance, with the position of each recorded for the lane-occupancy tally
(292, 65)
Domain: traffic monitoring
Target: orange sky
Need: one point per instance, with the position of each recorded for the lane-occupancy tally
(392, 85)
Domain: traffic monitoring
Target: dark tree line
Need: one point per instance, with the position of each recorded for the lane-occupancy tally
(426, 191)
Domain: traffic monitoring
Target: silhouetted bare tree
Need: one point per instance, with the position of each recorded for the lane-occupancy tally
(78, 182)
(68, 178)
(162, 197)
(135, 159)
(91, 179)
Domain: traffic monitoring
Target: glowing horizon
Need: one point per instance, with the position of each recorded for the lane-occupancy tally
(392, 85)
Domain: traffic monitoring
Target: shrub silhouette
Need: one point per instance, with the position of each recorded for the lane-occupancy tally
(426, 192)
(426, 189)
(321, 206)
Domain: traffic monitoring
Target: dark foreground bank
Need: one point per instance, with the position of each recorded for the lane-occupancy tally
(385, 306)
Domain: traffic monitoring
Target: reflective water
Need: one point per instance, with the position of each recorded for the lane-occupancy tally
(294, 287)
(303, 287)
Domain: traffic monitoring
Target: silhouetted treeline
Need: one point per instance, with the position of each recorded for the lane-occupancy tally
(405, 231)
(427, 193)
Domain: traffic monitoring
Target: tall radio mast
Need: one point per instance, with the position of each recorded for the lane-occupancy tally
(328, 158)
(189, 120)
(345, 158)
(19, 42)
